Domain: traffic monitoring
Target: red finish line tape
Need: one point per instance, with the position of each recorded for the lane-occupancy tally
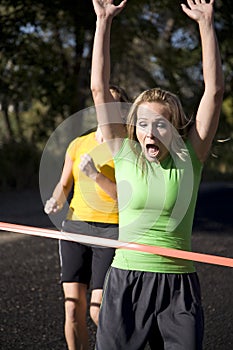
(106, 242)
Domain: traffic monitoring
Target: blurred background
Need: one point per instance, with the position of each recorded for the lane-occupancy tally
(45, 58)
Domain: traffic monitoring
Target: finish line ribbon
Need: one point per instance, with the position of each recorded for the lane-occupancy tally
(112, 243)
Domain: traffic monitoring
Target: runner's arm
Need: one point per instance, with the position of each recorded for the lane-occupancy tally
(62, 189)
(208, 113)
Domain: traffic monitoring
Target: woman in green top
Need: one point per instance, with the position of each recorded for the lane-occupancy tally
(158, 164)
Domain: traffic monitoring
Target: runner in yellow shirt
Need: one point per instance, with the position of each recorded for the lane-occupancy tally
(93, 211)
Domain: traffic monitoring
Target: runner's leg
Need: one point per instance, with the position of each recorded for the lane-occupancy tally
(101, 261)
(96, 299)
(75, 315)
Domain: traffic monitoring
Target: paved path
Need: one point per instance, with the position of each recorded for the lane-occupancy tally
(31, 306)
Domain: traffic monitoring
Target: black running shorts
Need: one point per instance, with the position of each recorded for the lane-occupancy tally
(84, 263)
(161, 309)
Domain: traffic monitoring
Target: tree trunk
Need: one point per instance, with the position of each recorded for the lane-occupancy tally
(9, 130)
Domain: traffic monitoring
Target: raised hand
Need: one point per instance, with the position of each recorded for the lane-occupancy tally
(199, 10)
(106, 8)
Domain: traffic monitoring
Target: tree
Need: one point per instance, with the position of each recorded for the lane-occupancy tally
(45, 60)
(45, 56)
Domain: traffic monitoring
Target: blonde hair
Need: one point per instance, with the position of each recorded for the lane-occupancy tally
(178, 118)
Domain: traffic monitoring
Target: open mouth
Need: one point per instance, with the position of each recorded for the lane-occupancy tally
(152, 150)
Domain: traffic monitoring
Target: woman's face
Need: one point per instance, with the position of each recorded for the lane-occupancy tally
(153, 130)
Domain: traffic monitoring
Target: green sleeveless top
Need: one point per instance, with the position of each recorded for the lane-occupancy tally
(156, 207)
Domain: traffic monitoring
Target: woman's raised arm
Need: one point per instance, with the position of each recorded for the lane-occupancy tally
(207, 118)
(108, 112)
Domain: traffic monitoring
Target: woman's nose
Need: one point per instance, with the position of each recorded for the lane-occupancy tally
(150, 132)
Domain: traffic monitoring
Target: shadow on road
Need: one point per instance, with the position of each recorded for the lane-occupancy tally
(214, 208)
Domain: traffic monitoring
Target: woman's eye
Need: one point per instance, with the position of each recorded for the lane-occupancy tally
(142, 124)
(161, 125)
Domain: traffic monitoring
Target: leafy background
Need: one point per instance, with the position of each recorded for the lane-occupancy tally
(45, 57)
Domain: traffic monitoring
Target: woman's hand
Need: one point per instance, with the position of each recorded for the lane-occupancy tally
(106, 8)
(87, 166)
(199, 10)
(52, 206)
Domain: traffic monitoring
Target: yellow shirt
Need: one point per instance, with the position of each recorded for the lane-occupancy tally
(90, 202)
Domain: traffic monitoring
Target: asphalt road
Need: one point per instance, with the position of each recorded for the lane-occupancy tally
(31, 300)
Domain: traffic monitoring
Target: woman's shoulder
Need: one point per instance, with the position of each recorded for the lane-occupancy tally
(126, 149)
(192, 153)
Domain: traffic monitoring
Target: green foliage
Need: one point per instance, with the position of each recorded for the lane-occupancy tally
(45, 57)
(228, 111)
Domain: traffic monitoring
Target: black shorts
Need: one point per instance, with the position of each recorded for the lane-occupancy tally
(139, 307)
(81, 263)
